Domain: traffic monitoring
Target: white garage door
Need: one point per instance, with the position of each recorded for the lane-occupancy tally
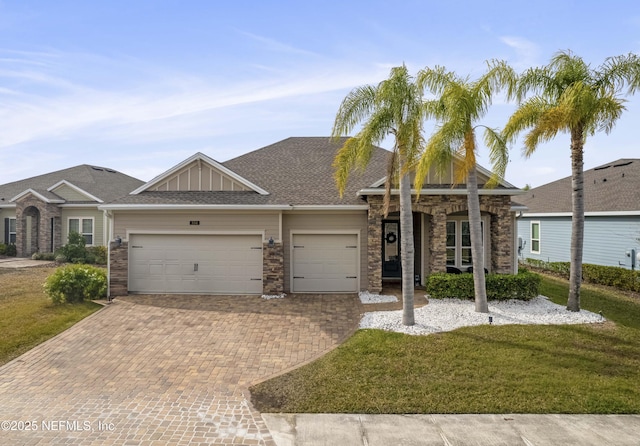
(325, 263)
(202, 264)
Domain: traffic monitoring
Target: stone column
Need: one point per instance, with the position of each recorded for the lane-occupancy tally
(502, 241)
(118, 269)
(272, 269)
(438, 242)
(374, 245)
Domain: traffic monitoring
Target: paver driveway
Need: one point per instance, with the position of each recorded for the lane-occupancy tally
(166, 370)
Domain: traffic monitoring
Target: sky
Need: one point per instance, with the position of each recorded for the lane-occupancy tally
(139, 86)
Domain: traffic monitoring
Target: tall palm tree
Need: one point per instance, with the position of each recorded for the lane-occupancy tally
(393, 107)
(458, 105)
(569, 96)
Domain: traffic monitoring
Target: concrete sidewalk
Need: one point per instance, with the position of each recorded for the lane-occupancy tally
(453, 430)
(18, 262)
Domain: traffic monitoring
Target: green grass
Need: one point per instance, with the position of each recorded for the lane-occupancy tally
(27, 316)
(591, 368)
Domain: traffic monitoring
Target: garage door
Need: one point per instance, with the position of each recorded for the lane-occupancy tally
(202, 264)
(325, 263)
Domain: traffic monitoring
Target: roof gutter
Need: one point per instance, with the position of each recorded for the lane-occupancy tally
(194, 207)
(376, 191)
(586, 214)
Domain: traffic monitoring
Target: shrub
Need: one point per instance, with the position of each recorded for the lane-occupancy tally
(75, 283)
(523, 286)
(43, 256)
(614, 276)
(74, 250)
(3, 249)
(11, 251)
(98, 254)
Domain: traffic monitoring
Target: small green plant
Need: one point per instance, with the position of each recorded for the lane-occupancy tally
(523, 286)
(11, 251)
(8, 250)
(98, 254)
(76, 283)
(74, 251)
(43, 256)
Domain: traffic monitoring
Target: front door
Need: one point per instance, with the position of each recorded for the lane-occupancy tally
(391, 249)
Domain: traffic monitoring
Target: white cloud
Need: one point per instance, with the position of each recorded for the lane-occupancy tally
(527, 52)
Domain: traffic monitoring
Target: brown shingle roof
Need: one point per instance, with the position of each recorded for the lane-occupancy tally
(298, 171)
(612, 187)
(101, 182)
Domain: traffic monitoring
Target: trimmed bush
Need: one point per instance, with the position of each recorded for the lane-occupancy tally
(613, 276)
(3, 249)
(523, 286)
(43, 256)
(76, 283)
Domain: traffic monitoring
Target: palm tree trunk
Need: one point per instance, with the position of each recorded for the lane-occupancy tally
(476, 243)
(577, 219)
(406, 246)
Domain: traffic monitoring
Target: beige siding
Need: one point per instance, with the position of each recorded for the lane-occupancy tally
(70, 194)
(173, 221)
(98, 223)
(199, 176)
(324, 221)
(5, 213)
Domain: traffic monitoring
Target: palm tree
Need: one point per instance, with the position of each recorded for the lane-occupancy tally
(393, 107)
(570, 96)
(458, 105)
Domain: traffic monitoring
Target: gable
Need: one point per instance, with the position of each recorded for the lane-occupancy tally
(199, 173)
(69, 192)
(199, 176)
(447, 178)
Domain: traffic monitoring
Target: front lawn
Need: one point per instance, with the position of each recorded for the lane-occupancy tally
(27, 316)
(488, 369)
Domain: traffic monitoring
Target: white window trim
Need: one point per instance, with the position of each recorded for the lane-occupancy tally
(14, 233)
(531, 239)
(458, 246)
(93, 228)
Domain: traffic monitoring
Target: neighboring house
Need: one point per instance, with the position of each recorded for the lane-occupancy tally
(612, 216)
(272, 220)
(37, 214)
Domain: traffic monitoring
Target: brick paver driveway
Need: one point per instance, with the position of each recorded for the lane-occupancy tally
(166, 370)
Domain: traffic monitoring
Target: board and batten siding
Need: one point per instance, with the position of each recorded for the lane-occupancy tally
(98, 223)
(324, 221)
(606, 239)
(213, 221)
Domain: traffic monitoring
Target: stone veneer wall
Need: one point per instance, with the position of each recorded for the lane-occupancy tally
(272, 269)
(40, 231)
(118, 269)
(439, 207)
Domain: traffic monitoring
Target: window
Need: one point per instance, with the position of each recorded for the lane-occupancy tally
(535, 237)
(459, 242)
(451, 243)
(83, 226)
(11, 231)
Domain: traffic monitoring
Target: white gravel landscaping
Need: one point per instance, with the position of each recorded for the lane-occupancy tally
(448, 314)
(368, 298)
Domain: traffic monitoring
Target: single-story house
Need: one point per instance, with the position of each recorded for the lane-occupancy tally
(272, 221)
(612, 216)
(37, 214)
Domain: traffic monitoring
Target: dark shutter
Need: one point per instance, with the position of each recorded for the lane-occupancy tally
(6, 231)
